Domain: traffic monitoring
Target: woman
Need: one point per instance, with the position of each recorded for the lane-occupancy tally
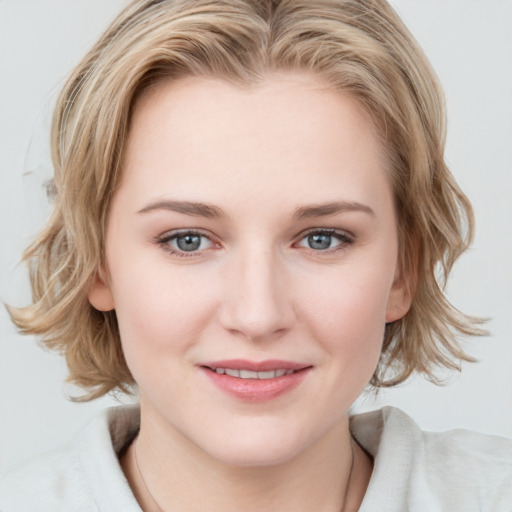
(251, 210)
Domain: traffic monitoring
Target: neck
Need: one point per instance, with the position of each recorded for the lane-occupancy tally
(167, 472)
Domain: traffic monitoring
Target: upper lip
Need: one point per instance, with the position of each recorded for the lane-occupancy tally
(255, 366)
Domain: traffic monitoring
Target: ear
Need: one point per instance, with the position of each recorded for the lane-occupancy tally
(400, 298)
(99, 292)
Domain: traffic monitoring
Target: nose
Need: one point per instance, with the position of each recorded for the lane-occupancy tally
(257, 303)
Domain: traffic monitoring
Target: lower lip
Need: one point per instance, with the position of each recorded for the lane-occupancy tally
(256, 390)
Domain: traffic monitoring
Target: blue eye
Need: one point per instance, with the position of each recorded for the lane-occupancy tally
(320, 241)
(324, 240)
(185, 242)
(188, 242)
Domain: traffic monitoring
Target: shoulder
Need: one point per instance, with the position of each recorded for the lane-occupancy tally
(455, 470)
(48, 482)
(463, 446)
(84, 475)
(471, 463)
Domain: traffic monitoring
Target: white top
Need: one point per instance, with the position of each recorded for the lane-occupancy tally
(414, 471)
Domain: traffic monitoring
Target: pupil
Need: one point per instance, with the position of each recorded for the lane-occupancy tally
(188, 242)
(319, 241)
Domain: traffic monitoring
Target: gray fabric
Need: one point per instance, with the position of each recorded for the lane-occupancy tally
(455, 471)
(413, 470)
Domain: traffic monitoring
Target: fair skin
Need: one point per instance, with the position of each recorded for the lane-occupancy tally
(289, 262)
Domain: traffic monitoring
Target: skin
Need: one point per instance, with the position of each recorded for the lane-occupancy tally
(254, 290)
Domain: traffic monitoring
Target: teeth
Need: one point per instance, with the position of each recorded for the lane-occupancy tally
(271, 374)
(249, 374)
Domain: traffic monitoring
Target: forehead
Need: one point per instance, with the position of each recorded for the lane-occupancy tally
(291, 132)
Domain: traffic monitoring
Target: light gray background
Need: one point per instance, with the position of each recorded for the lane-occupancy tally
(470, 45)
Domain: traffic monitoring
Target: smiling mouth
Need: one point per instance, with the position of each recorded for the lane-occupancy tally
(255, 381)
(250, 374)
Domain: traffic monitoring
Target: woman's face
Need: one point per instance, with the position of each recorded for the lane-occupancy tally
(251, 258)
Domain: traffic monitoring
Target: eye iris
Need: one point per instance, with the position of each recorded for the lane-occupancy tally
(319, 241)
(188, 242)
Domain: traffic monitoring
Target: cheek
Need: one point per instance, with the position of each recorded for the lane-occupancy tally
(160, 312)
(348, 315)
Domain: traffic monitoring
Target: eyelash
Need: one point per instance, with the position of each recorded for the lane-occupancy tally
(344, 238)
(164, 240)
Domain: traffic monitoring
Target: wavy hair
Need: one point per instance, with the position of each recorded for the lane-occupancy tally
(361, 47)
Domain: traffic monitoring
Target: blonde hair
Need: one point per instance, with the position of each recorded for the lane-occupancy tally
(360, 47)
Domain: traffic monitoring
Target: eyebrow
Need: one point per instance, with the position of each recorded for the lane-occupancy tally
(321, 210)
(213, 212)
(186, 207)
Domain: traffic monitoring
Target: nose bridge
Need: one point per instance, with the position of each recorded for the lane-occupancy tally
(256, 302)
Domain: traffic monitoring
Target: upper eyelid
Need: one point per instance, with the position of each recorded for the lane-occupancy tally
(329, 231)
(164, 242)
(172, 234)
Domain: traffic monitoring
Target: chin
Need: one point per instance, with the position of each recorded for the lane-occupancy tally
(259, 446)
(253, 456)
